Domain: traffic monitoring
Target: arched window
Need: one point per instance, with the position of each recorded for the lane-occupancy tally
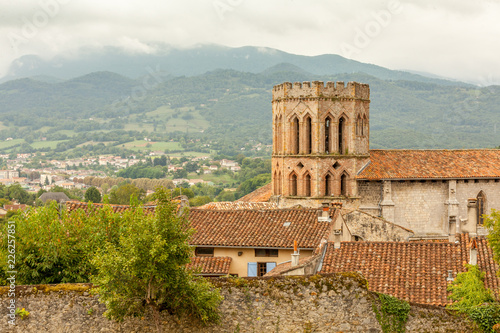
(295, 133)
(341, 136)
(359, 126)
(307, 185)
(308, 135)
(481, 209)
(343, 185)
(280, 135)
(328, 124)
(328, 185)
(279, 183)
(275, 180)
(293, 184)
(364, 127)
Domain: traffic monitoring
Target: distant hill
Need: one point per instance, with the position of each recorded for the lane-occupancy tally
(196, 61)
(231, 108)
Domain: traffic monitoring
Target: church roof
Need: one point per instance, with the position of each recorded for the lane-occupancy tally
(432, 164)
(414, 271)
(232, 205)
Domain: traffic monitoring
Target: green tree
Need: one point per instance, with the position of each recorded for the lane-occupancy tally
(92, 194)
(123, 194)
(147, 269)
(468, 290)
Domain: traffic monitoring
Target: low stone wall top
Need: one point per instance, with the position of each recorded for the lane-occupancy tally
(330, 303)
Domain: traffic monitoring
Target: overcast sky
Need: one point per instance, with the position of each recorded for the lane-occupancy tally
(451, 38)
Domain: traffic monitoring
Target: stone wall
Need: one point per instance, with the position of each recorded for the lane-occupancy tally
(375, 229)
(330, 303)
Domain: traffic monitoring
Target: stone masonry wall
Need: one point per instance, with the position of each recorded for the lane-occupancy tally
(375, 229)
(331, 303)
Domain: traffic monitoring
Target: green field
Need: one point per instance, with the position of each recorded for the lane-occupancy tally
(10, 143)
(144, 145)
(46, 144)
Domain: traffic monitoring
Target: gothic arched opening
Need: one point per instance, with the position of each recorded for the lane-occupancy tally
(293, 184)
(481, 209)
(308, 135)
(295, 131)
(343, 185)
(307, 185)
(328, 124)
(341, 132)
(328, 185)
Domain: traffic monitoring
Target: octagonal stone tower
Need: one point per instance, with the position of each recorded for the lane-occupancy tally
(320, 141)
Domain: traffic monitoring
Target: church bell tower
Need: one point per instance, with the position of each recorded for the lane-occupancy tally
(320, 141)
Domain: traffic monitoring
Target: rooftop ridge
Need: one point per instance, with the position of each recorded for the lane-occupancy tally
(316, 89)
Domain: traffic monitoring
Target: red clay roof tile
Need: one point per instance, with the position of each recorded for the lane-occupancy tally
(257, 228)
(418, 164)
(416, 271)
(211, 265)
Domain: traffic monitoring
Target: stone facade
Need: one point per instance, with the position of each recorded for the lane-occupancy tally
(366, 227)
(331, 303)
(430, 207)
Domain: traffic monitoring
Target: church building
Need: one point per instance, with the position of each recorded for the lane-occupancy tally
(321, 153)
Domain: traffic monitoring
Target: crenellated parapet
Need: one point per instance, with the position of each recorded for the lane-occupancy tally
(315, 89)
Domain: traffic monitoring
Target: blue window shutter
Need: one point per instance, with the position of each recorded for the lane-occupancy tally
(270, 266)
(252, 269)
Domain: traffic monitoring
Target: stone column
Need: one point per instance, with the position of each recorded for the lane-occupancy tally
(387, 205)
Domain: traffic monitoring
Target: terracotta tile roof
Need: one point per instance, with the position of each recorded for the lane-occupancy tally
(262, 194)
(74, 205)
(15, 207)
(211, 265)
(415, 271)
(415, 164)
(258, 228)
(228, 205)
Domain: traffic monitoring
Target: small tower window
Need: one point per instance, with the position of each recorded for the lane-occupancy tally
(328, 123)
(308, 135)
(341, 135)
(307, 185)
(328, 185)
(343, 184)
(481, 201)
(293, 184)
(296, 136)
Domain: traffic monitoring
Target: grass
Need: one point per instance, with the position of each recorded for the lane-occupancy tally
(10, 143)
(46, 144)
(169, 120)
(144, 145)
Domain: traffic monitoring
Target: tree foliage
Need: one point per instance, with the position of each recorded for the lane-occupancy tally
(468, 290)
(123, 194)
(147, 268)
(93, 195)
(54, 246)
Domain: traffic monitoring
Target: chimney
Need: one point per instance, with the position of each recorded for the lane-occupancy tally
(295, 255)
(473, 252)
(325, 213)
(450, 276)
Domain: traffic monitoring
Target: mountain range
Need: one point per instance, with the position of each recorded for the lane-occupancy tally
(224, 94)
